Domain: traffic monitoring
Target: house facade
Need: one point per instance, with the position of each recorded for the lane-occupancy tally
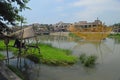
(85, 24)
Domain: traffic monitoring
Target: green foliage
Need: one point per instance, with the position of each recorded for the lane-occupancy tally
(2, 45)
(82, 58)
(72, 35)
(117, 24)
(88, 61)
(9, 12)
(2, 57)
(34, 58)
(114, 35)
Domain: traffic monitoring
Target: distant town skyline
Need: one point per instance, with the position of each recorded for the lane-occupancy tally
(70, 11)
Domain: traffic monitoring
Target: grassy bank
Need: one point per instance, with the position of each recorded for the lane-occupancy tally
(55, 55)
(114, 36)
(73, 35)
(51, 55)
(48, 54)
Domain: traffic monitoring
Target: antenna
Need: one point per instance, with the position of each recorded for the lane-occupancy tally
(97, 18)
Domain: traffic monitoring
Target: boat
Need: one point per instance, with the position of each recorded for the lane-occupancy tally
(98, 32)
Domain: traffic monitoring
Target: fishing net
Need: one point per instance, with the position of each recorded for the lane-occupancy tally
(92, 33)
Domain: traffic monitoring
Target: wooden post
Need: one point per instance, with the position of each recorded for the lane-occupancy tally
(6, 41)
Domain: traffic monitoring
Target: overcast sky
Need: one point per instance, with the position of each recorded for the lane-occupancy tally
(53, 11)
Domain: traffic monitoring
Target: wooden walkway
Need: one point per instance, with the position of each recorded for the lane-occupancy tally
(7, 74)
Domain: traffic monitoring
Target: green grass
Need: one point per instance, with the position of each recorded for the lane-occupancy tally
(72, 35)
(2, 45)
(2, 57)
(3, 48)
(48, 54)
(52, 55)
(114, 35)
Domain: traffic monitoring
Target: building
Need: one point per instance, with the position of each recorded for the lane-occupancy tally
(61, 26)
(85, 24)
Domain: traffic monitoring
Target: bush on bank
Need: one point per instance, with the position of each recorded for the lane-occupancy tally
(114, 35)
(88, 61)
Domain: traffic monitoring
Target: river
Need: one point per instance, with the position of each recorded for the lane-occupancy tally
(107, 66)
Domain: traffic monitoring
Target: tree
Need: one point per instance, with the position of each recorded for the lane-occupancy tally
(9, 12)
(116, 24)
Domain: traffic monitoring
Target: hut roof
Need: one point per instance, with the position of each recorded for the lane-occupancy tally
(24, 33)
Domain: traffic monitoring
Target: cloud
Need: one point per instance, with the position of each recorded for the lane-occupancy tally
(76, 10)
(100, 4)
(91, 9)
(87, 2)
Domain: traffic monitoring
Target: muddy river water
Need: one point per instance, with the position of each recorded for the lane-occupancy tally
(106, 68)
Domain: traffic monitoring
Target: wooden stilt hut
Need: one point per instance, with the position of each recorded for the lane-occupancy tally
(21, 36)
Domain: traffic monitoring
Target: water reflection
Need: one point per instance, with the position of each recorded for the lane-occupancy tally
(100, 49)
(117, 41)
(78, 46)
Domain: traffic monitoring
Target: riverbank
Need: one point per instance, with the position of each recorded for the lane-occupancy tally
(60, 33)
(48, 54)
(116, 35)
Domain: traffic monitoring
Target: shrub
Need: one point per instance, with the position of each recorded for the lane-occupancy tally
(88, 60)
(82, 58)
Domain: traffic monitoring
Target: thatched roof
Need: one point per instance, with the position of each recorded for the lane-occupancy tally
(24, 33)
